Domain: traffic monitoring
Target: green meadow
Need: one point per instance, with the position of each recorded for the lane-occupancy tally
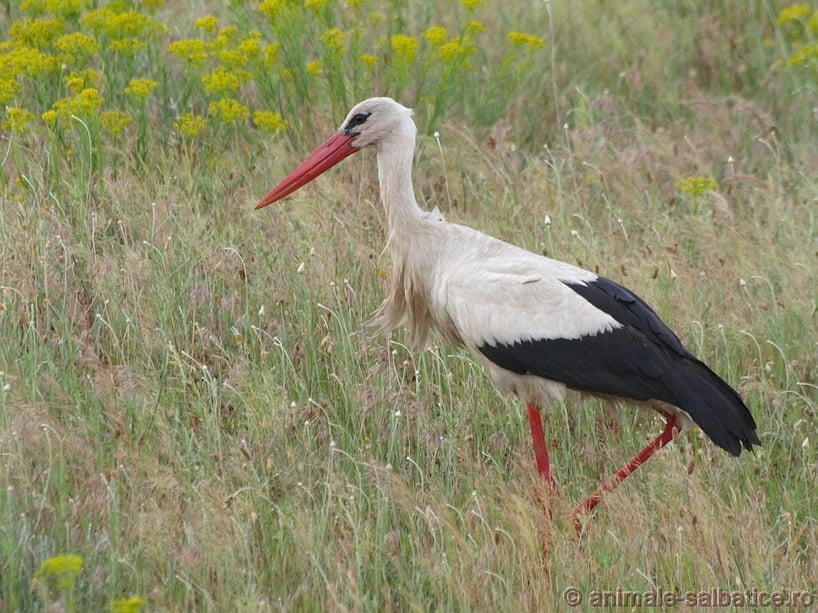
(194, 415)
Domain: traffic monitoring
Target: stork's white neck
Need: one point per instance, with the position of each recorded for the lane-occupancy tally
(395, 155)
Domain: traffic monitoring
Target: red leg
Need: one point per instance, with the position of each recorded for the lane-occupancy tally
(540, 452)
(543, 468)
(640, 458)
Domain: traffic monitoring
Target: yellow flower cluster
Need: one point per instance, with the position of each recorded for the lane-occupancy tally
(220, 81)
(191, 50)
(208, 24)
(62, 570)
(114, 121)
(22, 60)
(405, 48)
(794, 14)
(800, 23)
(529, 41)
(190, 124)
(269, 54)
(436, 35)
(141, 88)
(223, 73)
(17, 119)
(67, 9)
(334, 39)
(696, 186)
(228, 110)
(110, 23)
(272, 8)
(269, 121)
(133, 604)
(36, 33)
(450, 52)
(79, 80)
(48, 51)
(76, 46)
(88, 101)
(127, 31)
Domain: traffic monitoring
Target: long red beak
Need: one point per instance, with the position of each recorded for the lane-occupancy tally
(335, 149)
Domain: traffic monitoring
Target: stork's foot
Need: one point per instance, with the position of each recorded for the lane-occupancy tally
(640, 458)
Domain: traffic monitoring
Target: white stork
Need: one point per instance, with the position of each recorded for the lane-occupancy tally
(539, 326)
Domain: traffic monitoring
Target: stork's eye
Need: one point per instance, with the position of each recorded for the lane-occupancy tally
(356, 120)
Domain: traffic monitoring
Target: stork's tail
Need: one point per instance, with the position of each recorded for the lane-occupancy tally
(716, 408)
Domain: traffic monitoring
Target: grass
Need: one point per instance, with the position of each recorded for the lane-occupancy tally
(192, 413)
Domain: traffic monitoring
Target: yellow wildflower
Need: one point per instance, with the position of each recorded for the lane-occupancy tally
(61, 8)
(807, 54)
(116, 25)
(470, 5)
(220, 81)
(62, 109)
(190, 124)
(127, 46)
(74, 83)
(474, 26)
(405, 48)
(696, 186)
(269, 121)
(114, 121)
(76, 46)
(794, 14)
(190, 49)
(249, 48)
(521, 39)
(133, 604)
(314, 5)
(37, 33)
(208, 24)
(49, 117)
(227, 33)
(369, 59)
(435, 35)
(334, 39)
(77, 80)
(27, 60)
(271, 8)
(450, 52)
(141, 88)
(63, 569)
(8, 90)
(87, 101)
(230, 58)
(228, 110)
(17, 118)
(314, 67)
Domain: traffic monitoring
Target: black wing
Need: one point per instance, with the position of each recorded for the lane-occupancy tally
(642, 360)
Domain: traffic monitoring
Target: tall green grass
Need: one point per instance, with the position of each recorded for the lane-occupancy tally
(192, 413)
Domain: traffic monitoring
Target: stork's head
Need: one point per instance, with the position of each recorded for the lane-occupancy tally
(375, 121)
